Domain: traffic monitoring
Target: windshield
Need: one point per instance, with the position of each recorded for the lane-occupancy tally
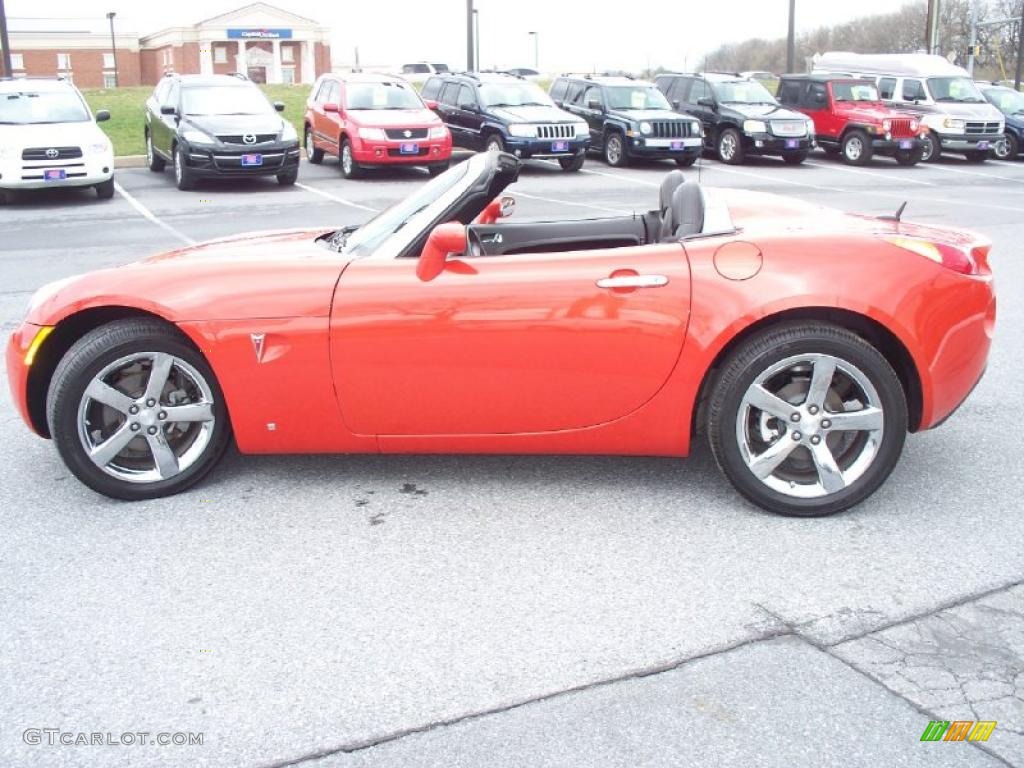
(635, 97)
(440, 67)
(854, 92)
(378, 229)
(224, 100)
(33, 108)
(743, 92)
(958, 89)
(386, 95)
(1007, 101)
(514, 94)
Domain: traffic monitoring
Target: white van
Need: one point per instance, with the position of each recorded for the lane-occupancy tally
(49, 138)
(943, 95)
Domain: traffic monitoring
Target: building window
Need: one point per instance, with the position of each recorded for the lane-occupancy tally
(17, 61)
(109, 81)
(220, 54)
(287, 54)
(63, 61)
(288, 75)
(108, 61)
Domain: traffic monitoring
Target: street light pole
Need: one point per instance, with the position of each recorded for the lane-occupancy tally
(536, 50)
(1020, 48)
(973, 37)
(931, 27)
(469, 36)
(113, 46)
(4, 42)
(476, 35)
(791, 39)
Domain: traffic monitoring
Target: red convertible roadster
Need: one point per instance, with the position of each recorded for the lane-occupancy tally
(803, 342)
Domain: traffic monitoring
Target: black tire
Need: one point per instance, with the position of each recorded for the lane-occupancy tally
(686, 162)
(288, 178)
(615, 152)
(350, 169)
(932, 148)
(977, 157)
(729, 147)
(794, 158)
(908, 157)
(856, 148)
(438, 168)
(753, 358)
(183, 178)
(105, 189)
(85, 360)
(572, 164)
(1007, 149)
(314, 155)
(494, 142)
(154, 162)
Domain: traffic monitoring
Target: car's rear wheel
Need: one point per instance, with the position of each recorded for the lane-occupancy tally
(136, 412)
(730, 147)
(105, 189)
(806, 419)
(315, 156)
(932, 148)
(856, 148)
(350, 169)
(615, 153)
(977, 157)
(1008, 148)
(154, 162)
(438, 168)
(183, 178)
(572, 164)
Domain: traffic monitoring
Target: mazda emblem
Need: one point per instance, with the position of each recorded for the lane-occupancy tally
(53, 154)
(249, 138)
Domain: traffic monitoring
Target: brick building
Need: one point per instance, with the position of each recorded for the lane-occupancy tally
(266, 43)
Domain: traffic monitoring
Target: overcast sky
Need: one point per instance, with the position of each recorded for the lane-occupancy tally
(599, 34)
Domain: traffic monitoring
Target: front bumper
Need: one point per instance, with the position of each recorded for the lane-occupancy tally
(389, 152)
(891, 146)
(545, 148)
(662, 149)
(769, 144)
(962, 143)
(86, 171)
(17, 371)
(217, 162)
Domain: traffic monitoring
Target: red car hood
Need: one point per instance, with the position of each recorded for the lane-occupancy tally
(390, 118)
(870, 113)
(271, 274)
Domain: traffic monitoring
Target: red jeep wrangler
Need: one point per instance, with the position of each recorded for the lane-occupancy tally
(368, 120)
(850, 119)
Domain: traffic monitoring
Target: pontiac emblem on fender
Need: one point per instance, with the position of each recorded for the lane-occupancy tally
(257, 345)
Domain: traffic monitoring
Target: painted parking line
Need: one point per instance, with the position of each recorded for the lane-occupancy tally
(879, 174)
(772, 179)
(994, 177)
(148, 214)
(336, 199)
(604, 209)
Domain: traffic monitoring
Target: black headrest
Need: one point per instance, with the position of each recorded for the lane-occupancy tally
(687, 210)
(668, 187)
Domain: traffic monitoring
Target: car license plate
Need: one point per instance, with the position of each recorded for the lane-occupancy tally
(906, 144)
(676, 145)
(252, 160)
(792, 143)
(409, 149)
(982, 145)
(560, 146)
(54, 174)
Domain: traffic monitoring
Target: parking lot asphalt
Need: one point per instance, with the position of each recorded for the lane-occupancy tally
(375, 610)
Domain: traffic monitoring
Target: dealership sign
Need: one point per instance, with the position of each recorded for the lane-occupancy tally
(259, 34)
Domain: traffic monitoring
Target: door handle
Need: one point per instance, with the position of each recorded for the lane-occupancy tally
(633, 281)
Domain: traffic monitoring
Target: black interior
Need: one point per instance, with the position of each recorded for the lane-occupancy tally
(557, 236)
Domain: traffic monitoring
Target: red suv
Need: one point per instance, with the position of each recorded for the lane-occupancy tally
(850, 119)
(369, 120)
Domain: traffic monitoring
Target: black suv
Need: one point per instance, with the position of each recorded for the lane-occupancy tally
(210, 126)
(507, 113)
(740, 116)
(628, 119)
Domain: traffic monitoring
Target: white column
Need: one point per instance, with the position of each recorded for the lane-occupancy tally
(275, 65)
(308, 62)
(243, 66)
(206, 57)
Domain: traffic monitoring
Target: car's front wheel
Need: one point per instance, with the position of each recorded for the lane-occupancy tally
(183, 178)
(438, 168)
(154, 162)
(136, 412)
(932, 148)
(572, 164)
(105, 189)
(615, 153)
(806, 419)
(1008, 148)
(315, 156)
(288, 178)
(730, 147)
(350, 169)
(979, 156)
(856, 148)
(687, 161)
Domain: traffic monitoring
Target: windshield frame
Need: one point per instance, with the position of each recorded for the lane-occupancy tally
(526, 87)
(398, 85)
(28, 92)
(183, 99)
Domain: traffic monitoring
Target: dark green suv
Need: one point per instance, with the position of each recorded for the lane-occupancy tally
(629, 119)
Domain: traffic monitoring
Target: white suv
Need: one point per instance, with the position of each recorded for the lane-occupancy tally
(48, 138)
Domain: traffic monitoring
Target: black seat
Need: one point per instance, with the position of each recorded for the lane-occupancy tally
(687, 212)
(669, 185)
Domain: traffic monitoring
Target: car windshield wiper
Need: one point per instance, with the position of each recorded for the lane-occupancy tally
(534, 104)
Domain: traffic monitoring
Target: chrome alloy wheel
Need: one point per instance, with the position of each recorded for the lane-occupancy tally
(347, 163)
(614, 149)
(309, 143)
(853, 148)
(146, 417)
(149, 150)
(179, 162)
(727, 146)
(1001, 149)
(810, 425)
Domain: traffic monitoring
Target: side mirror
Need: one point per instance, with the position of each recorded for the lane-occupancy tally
(706, 102)
(102, 115)
(168, 109)
(279, 106)
(675, 103)
(499, 208)
(508, 205)
(430, 103)
(330, 107)
(594, 105)
(444, 239)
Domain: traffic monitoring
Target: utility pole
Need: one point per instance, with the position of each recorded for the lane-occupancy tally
(469, 36)
(931, 31)
(476, 36)
(4, 42)
(791, 40)
(113, 46)
(1020, 47)
(972, 37)
(536, 50)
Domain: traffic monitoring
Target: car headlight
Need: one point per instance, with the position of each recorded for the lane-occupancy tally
(100, 148)
(914, 126)
(438, 132)
(953, 124)
(373, 134)
(697, 129)
(754, 126)
(645, 128)
(289, 133)
(582, 130)
(521, 129)
(887, 125)
(196, 137)
(810, 127)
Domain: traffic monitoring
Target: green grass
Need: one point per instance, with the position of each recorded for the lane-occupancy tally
(128, 112)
